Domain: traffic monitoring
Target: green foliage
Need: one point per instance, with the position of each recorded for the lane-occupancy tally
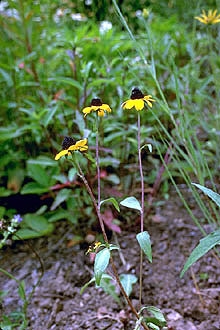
(51, 68)
(33, 226)
(101, 263)
(127, 281)
(208, 242)
(132, 203)
(213, 195)
(155, 322)
(143, 239)
(205, 245)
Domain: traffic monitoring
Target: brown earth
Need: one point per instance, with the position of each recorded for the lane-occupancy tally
(190, 303)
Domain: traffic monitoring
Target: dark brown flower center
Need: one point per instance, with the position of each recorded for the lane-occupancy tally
(96, 102)
(67, 142)
(136, 94)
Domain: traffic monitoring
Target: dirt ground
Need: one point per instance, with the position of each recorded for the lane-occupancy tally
(190, 303)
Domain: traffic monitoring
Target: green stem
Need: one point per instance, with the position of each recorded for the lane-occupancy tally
(81, 175)
(142, 206)
(97, 163)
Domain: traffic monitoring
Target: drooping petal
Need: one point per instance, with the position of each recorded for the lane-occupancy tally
(87, 110)
(79, 145)
(149, 100)
(61, 153)
(95, 107)
(139, 104)
(128, 104)
(106, 107)
(101, 112)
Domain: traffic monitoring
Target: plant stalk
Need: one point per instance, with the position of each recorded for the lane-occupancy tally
(142, 207)
(81, 175)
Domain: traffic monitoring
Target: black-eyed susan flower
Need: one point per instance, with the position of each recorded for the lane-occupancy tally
(93, 248)
(97, 105)
(138, 100)
(210, 18)
(69, 144)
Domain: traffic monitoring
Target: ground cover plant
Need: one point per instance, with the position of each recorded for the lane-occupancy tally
(156, 69)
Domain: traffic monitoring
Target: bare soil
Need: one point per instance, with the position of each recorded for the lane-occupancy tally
(190, 303)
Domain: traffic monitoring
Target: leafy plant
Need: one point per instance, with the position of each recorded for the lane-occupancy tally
(208, 242)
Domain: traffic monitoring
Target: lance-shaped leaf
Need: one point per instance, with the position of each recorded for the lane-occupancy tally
(132, 203)
(213, 195)
(205, 244)
(101, 263)
(145, 244)
(111, 200)
(127, 280)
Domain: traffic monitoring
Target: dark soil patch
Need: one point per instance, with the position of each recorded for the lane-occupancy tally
(57, 303)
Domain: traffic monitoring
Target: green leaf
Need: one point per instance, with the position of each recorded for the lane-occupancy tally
(38, 173)
(5, 192)
(101, 263)
(106, 284)
(205, 244)
(49, 115)
(7, 77)
(33, 188)
(26, 233)
(143, 239)
(109, 287)
(21, 290)
(2, 211)
(59, 215)
(43, 161)
(157, 318)
(127, 280)
(61, 197)
(33, 226)
(72, 174)
(213, 195)
(11, 132)
(113, 201)
(132, 203)
(68, 81)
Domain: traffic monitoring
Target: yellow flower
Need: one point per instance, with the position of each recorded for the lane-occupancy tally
(97, 105)
(138, 100)
(97, 245)
(94, 248)
(69, 144)
(210, 18)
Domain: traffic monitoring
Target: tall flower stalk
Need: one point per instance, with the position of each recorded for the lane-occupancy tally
(100, 109)
(142, 206)
(97, 164)
(138, 101)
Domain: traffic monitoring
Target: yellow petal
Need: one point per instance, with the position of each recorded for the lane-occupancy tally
(101, 113)
(139, 104)
(79, 145)
(128, 104)
(149, 100)
(106, 107)
(95, 107)
(61, 153)
(87, 110)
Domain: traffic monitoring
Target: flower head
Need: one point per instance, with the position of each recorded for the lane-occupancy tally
(138, 100)
(97, 105)
(69, 144)
(93, 248)
(210, 18)
(17, 218)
